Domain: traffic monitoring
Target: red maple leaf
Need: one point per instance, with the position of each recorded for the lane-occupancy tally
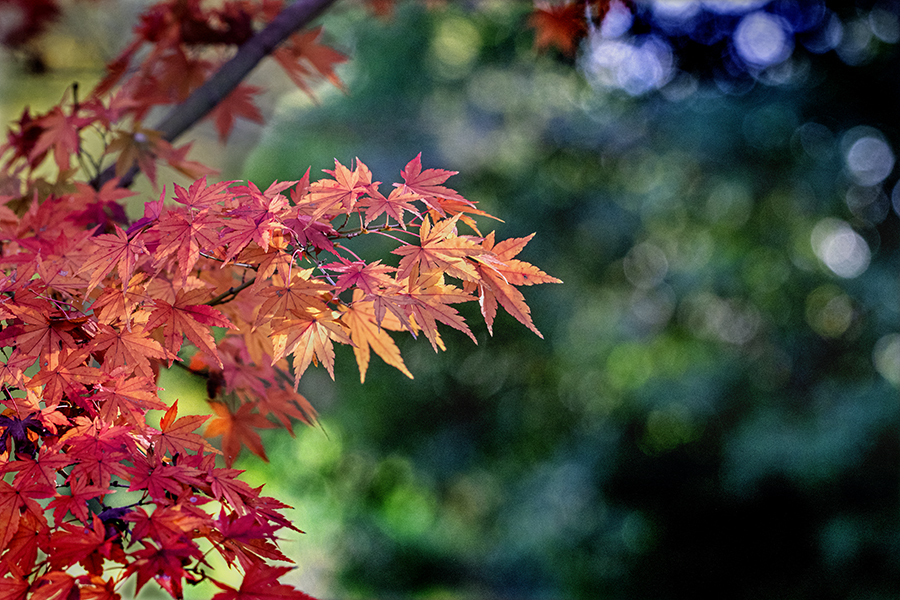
(73, 543)
(123, 347)
(64, 374)
(261, 583)
(10, 501)
(32, 536)
(76, 502)
(181, 238)
(113, 251)
(188, 318)
(165, 565)
(128, 397)
(239, 103)
(303, 49)
(176, 436)
(225, 487)
(246, 539)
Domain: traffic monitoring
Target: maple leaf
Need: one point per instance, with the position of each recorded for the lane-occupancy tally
(129, 397)
(113, 251)
(100, 449)
(73, 543)
(41, 470)
(152, 211)
(165, 565)
(498, 278)
(64, 374)
(188, 319)
(181, 238)
(200, 195)
(42, 331)
(239, 103)
(256, 218)
(94, 587)
(426, 185)
(56, 585)
(427, 303)
(245, 538)
(298, 293)
(237, 429)
(119, 347)
(77, 501)
(167, 524)
(226, 488)
(366, 333)
(102, 206)
(562, 25)
(334, 196)
(370, 278)
(14, 588)
(284, 405)
(10, 501)
(394, 205)
(139, 147)
(158, 479)
(439, 249)
(304, 48)
(32, 536)
(261, 583)
(60, 132)
(12, 371)
(308, 336)
(176, 436)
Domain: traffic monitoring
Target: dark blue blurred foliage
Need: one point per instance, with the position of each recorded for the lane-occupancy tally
(714, 408)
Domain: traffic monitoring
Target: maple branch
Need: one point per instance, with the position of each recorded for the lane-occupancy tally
(230, 293)
(226, 79)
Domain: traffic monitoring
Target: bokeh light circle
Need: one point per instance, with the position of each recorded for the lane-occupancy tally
(870, 160)
(843, 251)
(761, 39)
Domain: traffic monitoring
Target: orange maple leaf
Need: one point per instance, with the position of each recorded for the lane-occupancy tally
(500, 273)
(237, 429)
(439, 249)
(562, 26)
(176, 436)
(426, 184)
(366, 333)
(308, 336)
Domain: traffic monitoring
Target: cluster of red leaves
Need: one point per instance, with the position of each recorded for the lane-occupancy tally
(246, 286)
(563, 25)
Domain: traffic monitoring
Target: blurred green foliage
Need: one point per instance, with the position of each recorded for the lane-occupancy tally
(712, 408)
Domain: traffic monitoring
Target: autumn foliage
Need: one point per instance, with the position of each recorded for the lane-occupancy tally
(245, 285)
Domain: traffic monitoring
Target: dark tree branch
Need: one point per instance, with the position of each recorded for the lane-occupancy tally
(216, 88)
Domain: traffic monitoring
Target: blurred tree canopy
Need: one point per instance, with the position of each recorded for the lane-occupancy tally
(715, 404)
